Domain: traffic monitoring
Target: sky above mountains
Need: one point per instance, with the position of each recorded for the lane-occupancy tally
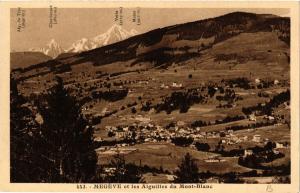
(74, 24)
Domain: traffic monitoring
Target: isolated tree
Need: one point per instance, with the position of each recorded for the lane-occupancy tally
(66, 138)
(182, 141)
(123, 173)
(202, 146)
(118, 163)
(231, 177)
(133, 110)
(269, 146)
(188, 170)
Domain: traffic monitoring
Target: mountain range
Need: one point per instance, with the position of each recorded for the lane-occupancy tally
(235, 40)
(114, 34)
(52, 49)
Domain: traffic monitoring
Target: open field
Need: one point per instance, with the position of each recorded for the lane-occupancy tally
(169, 156)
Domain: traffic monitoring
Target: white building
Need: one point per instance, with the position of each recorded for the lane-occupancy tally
(175, 85)
(271, 118)
(248, 152)
(256, 138)
(164, 86)
(252, 117)
(279, 145)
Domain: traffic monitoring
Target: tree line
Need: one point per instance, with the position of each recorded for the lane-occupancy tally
(50, 139)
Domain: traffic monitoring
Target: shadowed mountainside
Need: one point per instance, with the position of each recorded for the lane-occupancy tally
(174, 44)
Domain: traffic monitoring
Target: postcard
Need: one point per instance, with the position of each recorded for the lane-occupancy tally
(149, 96)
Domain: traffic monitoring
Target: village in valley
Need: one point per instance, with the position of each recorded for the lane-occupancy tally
(236, 136)
(218, 102)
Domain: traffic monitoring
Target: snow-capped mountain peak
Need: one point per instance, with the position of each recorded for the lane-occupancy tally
(52, 49)
(82, 45)
(114, 34)
(118, 31)
(52, 43)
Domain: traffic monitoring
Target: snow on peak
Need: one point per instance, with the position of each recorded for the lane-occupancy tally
(52, 49)
(114, 34)
(81, 45)
(52, 42)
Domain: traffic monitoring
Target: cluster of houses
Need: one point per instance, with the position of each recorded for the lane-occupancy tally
(253, 117)
(258, 81)
(275, 150)
(152, 133)
(146, 133)
(173, 85)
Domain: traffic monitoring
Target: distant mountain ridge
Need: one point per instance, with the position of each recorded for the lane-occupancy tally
(52, 49)
(26, 59)
(163, 47)
(114, 34)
